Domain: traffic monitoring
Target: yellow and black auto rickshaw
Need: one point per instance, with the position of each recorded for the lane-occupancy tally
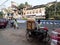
(33, 33)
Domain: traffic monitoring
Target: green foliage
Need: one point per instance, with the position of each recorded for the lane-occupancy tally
(46, 12)
(26, 3)
(21, 6)
(57, 17)
(24, 19)
(50, 11)
(1, 14)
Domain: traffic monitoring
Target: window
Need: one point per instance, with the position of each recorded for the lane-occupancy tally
(30, 12)
(27, 12)
(36, 11)
(8, 14)
(24, 8)
(24, 13)
(33, 12)
(40, 10)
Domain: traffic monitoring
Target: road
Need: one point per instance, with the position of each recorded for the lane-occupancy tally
(11, 36)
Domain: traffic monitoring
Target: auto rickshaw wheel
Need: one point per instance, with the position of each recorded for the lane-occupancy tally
(47, 38)
(28, 36)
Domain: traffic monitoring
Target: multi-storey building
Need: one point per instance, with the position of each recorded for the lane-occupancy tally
(12, 11)
(35, 11)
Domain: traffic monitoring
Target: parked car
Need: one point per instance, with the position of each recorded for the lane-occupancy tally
(3, 22)
(55, 37)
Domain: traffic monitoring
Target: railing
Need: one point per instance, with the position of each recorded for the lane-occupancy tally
(51, 24)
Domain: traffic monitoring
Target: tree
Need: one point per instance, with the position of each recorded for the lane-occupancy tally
(26, 3)
(47, 13)
(1, 14)
(21, 6)
(50, 11)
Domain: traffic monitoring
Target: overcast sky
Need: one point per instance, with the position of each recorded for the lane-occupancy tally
(31, 2)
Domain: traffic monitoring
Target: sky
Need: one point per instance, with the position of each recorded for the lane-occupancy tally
(31, 2)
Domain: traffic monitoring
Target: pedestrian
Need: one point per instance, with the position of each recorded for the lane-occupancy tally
(12, 22)
(15, 24)
(38, 24)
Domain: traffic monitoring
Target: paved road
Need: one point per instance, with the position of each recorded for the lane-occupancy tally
(11, 36)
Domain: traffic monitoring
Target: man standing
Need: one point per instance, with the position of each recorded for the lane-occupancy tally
(15, 24)
(39, 24)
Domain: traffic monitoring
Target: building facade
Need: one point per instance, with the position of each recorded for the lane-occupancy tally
(12, 11)
(36, 11)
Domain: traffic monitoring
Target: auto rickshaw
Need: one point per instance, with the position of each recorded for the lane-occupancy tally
(33, 33)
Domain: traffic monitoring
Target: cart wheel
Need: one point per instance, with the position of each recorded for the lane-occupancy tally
(28, 36)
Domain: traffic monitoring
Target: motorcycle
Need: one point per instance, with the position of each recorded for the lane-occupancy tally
(34, 33)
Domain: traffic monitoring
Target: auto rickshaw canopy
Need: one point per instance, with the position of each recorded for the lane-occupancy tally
(30, 24)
